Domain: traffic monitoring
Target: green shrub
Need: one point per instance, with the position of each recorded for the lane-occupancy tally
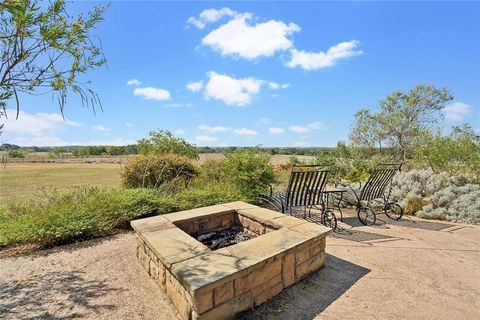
(164, 142)
(60, 217)
(202, 194)
(213, 171)
(456, 154)
(57, 217)
(154, 171)
(250, 171)
(17, 153)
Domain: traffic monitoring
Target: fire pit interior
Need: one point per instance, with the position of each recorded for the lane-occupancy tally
(218, 261)
(223, 230)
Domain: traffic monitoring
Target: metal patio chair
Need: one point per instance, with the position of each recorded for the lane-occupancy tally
(304, 189)
(375, 190)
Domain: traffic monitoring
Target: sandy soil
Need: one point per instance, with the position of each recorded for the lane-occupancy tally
(411, 269)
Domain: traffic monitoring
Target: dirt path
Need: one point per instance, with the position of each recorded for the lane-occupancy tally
(412, 269)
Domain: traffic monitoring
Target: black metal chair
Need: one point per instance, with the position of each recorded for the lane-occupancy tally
(375, 190)
(304, 189)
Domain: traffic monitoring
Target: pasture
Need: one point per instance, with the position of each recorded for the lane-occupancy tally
(24, 179)
(20, 180)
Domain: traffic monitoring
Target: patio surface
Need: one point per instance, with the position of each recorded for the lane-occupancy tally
(410, 269)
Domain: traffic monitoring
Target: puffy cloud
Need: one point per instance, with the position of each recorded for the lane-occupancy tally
(35, 129)
(236, 92)
(457, 111)
(100, 128)
(130, 125)
(277, 86)
(317, 125)
(212, 129)
(151, 93)
(133, 82)
(239, 37)
(245, 132)
(194, 86)
(318, 60)
(275, 130)
(205, 139)
(210, 16)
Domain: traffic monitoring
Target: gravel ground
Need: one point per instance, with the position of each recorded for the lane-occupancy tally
(411, 269)
(97, 279)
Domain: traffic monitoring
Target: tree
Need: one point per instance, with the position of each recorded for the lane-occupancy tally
(164, 142)
(45, 50)
(401, 119)
(457, 153)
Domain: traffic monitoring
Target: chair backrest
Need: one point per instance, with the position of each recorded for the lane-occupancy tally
(380, 178)
(305, 185)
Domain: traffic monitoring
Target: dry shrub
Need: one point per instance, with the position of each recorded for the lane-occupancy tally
(414, 204)
(154, 171)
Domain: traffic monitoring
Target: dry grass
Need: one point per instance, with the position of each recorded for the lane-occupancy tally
(18, 180)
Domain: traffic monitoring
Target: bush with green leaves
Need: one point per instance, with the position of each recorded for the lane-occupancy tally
(457, 153)
(17, 153)
(164, 142)
(59, 217)
(250, 171)
(167, 171)
(56, 217)
(454, 203)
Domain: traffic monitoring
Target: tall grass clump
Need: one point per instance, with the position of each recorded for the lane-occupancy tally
(56, 217)
(154, 171)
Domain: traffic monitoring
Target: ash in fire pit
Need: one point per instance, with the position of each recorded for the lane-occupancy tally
(223, 238)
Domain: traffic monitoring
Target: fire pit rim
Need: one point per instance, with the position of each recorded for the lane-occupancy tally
(161, 233)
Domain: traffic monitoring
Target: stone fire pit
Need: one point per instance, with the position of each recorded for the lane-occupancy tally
(218, 284)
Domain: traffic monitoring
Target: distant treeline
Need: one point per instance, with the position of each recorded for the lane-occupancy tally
(83, 151)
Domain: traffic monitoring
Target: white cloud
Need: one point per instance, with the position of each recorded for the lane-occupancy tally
(101, 128)
(178, 105)
(179, 132)
(212, 129)
(133, 82)
(457, 111)
(245, 132)
(275, 130)
(239, 37)
(236, 92)
(277, 86)
(317, 125)
(318, 60)
(194, 86)
(130, 125)
(150, 93)
(35, 129)
(205, 139)
(210, 16)
(299, 129)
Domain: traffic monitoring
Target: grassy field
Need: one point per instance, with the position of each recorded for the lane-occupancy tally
(25, 179)
(20, 180)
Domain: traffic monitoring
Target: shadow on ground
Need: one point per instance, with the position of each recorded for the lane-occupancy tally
(54, 295)
(311, 296)
(362, 236)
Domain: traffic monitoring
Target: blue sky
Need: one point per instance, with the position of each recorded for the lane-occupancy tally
(276, 74)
